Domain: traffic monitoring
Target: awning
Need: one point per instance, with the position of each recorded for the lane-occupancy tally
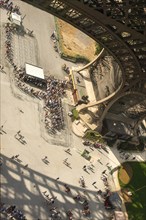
(34, 71)
(16, 18)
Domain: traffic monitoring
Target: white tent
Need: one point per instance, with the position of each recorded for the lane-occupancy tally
(16, 18)
(34, 71)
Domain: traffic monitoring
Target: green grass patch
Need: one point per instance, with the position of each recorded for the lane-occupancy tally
(93, 136)
(137, 185)
(98, 48)
(75, 114)
(86, 155)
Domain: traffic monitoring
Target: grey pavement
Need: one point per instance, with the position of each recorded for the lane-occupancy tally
(23, 186)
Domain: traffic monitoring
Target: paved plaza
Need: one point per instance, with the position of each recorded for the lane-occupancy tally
(24, 179)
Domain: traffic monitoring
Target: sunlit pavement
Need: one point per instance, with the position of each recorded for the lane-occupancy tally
(24, 186)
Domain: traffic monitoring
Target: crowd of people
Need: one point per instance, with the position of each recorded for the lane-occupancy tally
(11, 212)
(55, 89)
(9, 30)
(35, 81)
(10, 7)
(78, 198)
(51, 93)
(50, 89)
(54, 119)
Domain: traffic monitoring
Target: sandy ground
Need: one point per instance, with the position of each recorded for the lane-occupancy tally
(75, 42)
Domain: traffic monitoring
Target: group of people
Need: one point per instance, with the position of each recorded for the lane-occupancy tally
(9, 6)
(83, 200)
(54, 39)
(11, 212)
(51, 90)
(9, 30)
(20, 137)
(56, 214)
(54, 119)
(23, 86)
(35, 82)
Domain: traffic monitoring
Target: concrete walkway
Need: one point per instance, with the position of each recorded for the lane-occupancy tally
(23, 186)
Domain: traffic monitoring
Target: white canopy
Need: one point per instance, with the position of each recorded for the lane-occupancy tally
(34, 71)
(16, 18)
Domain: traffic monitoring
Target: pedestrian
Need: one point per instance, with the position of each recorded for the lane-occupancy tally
(65, 160)
(104, 172)
(99, 191)
(17, 156)
(21, 111)
(52, 201)
(82, 178)
(84, 167)
(57, 178)
(92, 165)
(18, 132)
(1, 128)
(45, 158)
(93, 183)
(1, 67)
(53, 198)
(26, 166)
(19, 137)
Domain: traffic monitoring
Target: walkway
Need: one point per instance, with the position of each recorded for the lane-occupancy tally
(23, 186)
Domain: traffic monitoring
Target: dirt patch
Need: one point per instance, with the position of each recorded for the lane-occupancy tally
(74, 42)
(125, 173)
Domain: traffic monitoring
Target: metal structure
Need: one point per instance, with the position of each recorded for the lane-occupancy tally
(118, 25)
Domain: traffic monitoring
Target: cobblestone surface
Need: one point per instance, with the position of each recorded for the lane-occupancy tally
(25, 50)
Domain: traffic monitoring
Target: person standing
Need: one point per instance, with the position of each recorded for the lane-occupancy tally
(94, 183)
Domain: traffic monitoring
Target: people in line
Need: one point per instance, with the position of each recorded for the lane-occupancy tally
(51, 89)
(9, 6)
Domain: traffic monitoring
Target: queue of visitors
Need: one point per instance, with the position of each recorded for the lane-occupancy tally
(35, 82)
(9, 6)
(9, 30)
(51, 90)
(54, 111)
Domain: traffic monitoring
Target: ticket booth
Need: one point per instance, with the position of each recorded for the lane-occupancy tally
(16, 19)
(34, 75)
